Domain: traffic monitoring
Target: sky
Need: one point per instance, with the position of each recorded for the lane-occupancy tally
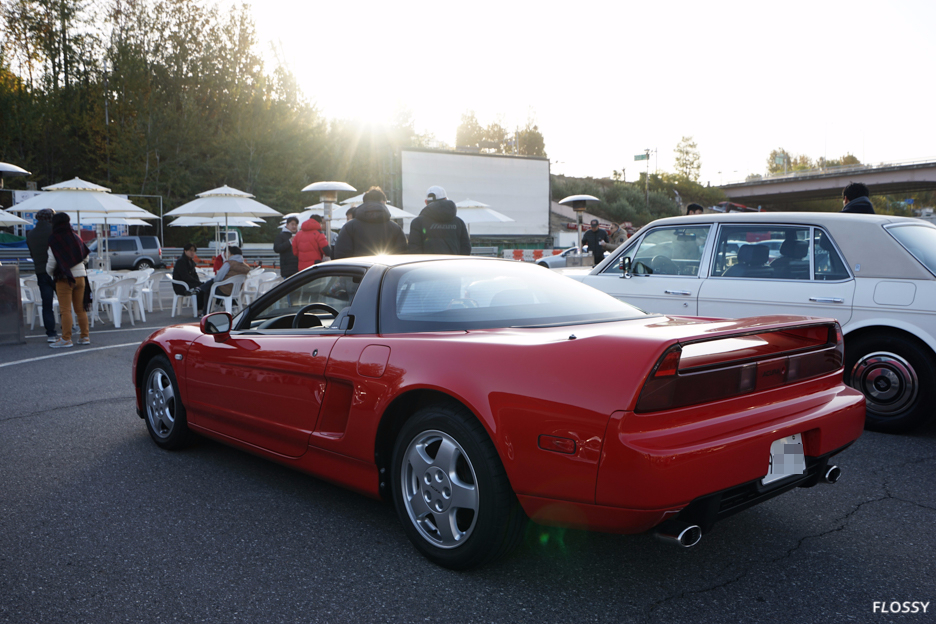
(606, 80)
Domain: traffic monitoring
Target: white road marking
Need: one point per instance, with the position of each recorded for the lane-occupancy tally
(111, 331)
(73, 351)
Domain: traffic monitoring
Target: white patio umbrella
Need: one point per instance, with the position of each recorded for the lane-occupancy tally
(7, 219)
(224, 202)
(77, 196)
(216, 222)
(471, 211)
(8, 171)
(339, 211)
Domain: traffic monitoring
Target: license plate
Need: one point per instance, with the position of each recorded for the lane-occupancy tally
(786, 459)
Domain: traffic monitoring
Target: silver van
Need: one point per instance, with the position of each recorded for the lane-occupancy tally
(129, 252)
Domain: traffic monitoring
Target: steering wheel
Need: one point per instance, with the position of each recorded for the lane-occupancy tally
(313, 306)
(664, 265)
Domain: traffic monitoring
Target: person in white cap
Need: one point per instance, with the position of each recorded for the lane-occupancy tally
(437, 230)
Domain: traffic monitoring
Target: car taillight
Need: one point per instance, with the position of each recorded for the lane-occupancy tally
(711, 370)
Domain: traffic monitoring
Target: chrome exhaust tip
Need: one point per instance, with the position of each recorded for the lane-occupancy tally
(833, 474)
(679, 534)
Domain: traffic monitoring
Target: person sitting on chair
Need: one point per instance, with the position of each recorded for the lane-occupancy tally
(184, 271)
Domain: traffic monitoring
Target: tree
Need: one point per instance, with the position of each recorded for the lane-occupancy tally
(688, 162)
(530, 141)
(469, 132)
(778, 161)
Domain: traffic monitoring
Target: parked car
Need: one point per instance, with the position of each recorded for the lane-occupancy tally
(130, 252)
(419, 380)
(560, 260)
(875, 274)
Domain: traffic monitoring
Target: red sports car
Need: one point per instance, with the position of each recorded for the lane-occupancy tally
(420, 380)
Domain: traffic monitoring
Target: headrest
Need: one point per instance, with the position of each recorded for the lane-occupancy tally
(754, 255)
(794, 249)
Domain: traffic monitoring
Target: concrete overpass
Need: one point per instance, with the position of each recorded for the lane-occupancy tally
(884, 179)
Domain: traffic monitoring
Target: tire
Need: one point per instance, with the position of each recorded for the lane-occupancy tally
(142, 264)
(163, 410)
(542, 264)
(896, 376)
(450, 489)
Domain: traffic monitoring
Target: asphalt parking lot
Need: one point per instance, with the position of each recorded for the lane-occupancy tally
(99, 525)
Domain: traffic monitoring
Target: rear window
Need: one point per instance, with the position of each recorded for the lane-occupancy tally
(455, 295)
(149, 242)
(919, 240)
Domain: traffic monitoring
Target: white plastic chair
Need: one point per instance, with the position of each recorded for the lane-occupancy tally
(251, 288)
(237, 283)
(26, 297)
(122, 299)
(153, 290)
(267, 283)
(99, 282)
(178, 301)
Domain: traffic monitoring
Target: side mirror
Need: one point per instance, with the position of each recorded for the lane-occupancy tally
(625, 267)
(218, 324)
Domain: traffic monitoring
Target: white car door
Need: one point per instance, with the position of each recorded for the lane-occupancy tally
(665, 275)
(749, 278)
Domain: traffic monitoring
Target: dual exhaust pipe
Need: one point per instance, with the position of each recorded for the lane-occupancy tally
(685, 535)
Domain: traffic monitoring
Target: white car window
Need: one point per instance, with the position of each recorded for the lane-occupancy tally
(919, 240)
(829, 265)
(763, 252)
(666, 251)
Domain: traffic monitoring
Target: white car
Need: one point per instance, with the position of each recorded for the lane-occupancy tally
(875, 274)
(559, 260)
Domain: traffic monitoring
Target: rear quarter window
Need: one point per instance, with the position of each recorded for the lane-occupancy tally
(149, 242)
(919, 240)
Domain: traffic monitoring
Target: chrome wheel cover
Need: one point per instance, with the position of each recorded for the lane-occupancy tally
(160, 403)
(888, 381)
(439, 489)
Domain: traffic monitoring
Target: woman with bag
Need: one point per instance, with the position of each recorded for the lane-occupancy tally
(66, 265)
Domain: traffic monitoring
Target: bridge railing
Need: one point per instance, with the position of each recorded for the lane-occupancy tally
(836, 170)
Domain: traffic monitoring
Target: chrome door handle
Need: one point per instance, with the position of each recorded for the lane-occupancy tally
(827, 299)
(677, 292)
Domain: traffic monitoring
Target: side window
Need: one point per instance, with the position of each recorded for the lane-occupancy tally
(666, 251)
(121, 244)
(149, 242)
(762, 252)
(829, 264)
(333, 292)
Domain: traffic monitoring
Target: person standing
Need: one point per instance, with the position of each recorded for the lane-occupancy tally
(309, 245)
(695, 209)
(616, 237)
(37, 239)
(593, 239)
(289, 263)
(856, 198)
(370, 232)
(437, 229)
(67, 255)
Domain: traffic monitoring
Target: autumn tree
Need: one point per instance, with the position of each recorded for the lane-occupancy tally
(688, 161)
(469, 132)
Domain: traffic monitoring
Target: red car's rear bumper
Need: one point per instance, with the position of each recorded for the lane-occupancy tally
(653, 466)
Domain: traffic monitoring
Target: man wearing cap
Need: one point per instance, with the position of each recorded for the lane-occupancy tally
(593, 239)
(37, 239)
(437, 230)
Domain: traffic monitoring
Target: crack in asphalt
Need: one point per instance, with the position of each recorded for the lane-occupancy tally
(69, 406)
(843, 522)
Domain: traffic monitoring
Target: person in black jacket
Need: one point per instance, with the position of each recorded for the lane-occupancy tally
(370, 232)
(593, 239)
(289, 263)
(437, 230)
(37, 239)
(184, 271)
(856, 198)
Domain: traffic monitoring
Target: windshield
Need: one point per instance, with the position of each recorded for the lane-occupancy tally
(920, 240)
(467, 294)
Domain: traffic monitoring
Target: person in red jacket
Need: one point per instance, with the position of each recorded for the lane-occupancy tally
(309, 244)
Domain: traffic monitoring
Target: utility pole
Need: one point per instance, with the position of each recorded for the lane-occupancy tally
(647, 180)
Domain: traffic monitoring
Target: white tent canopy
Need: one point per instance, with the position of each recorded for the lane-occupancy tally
(224, 202)
(7, 219)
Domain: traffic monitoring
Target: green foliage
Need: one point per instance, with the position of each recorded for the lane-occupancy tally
(469, 132)
(496, 139)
